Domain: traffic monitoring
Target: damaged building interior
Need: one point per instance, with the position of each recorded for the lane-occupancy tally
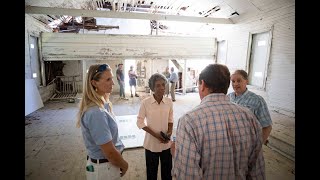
(63, 38)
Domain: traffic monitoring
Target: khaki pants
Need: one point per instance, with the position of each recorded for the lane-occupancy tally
(167, 89)
(103, 171)
(172, 90)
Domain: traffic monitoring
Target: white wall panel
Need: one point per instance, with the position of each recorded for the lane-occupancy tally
(59, 46)
(264, 5)
(282, 76)
(33, 100)
(280, 84)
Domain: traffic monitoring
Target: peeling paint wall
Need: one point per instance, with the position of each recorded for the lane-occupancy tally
(69, 46)
(154, 52)
(280, 84)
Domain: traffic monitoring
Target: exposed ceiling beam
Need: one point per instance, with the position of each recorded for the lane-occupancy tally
(122, 15)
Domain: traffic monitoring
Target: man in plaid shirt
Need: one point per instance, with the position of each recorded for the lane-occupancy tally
(218, 139)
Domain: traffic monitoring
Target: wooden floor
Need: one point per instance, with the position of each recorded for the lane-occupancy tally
(54, 148)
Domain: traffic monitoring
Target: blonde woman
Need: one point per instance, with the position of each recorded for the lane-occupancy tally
(99, 128)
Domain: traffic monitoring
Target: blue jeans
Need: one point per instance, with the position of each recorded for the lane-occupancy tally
(121, 89)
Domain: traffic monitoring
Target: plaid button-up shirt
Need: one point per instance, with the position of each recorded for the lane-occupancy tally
(256, 104)
(218, 140)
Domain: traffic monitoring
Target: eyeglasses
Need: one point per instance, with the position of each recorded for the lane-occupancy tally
(101, 68)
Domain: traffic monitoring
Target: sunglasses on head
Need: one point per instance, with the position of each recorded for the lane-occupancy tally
(101, 68)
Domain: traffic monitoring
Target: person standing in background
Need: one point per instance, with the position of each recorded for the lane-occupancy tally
(166, 73)
(133, 81)
(120, 78)
(173, 79)
(246, 98)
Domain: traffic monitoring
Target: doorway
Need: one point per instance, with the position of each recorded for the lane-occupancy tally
(222, 52)
(259, 58)
(35, 60)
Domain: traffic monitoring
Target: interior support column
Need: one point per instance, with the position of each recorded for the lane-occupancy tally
(184, 80)
(84, 73)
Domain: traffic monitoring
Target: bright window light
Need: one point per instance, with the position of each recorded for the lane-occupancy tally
(31, 46)
(261, 43)
(258, 74)
(79, 19)
(55, 23)
(34, 75)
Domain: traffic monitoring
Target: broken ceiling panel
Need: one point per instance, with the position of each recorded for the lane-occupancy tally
(167, 7)
(182, 10)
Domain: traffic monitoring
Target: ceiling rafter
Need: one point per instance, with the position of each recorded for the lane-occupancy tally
(122, 15)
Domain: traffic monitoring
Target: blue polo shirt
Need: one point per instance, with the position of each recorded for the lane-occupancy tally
(173, 77)
(255, 103)
(99, 127)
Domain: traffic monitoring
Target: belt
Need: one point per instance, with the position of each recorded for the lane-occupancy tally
(98, 160)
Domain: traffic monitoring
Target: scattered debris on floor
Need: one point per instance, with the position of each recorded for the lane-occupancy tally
(28, 120)
(31, 118)
(71, 100)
